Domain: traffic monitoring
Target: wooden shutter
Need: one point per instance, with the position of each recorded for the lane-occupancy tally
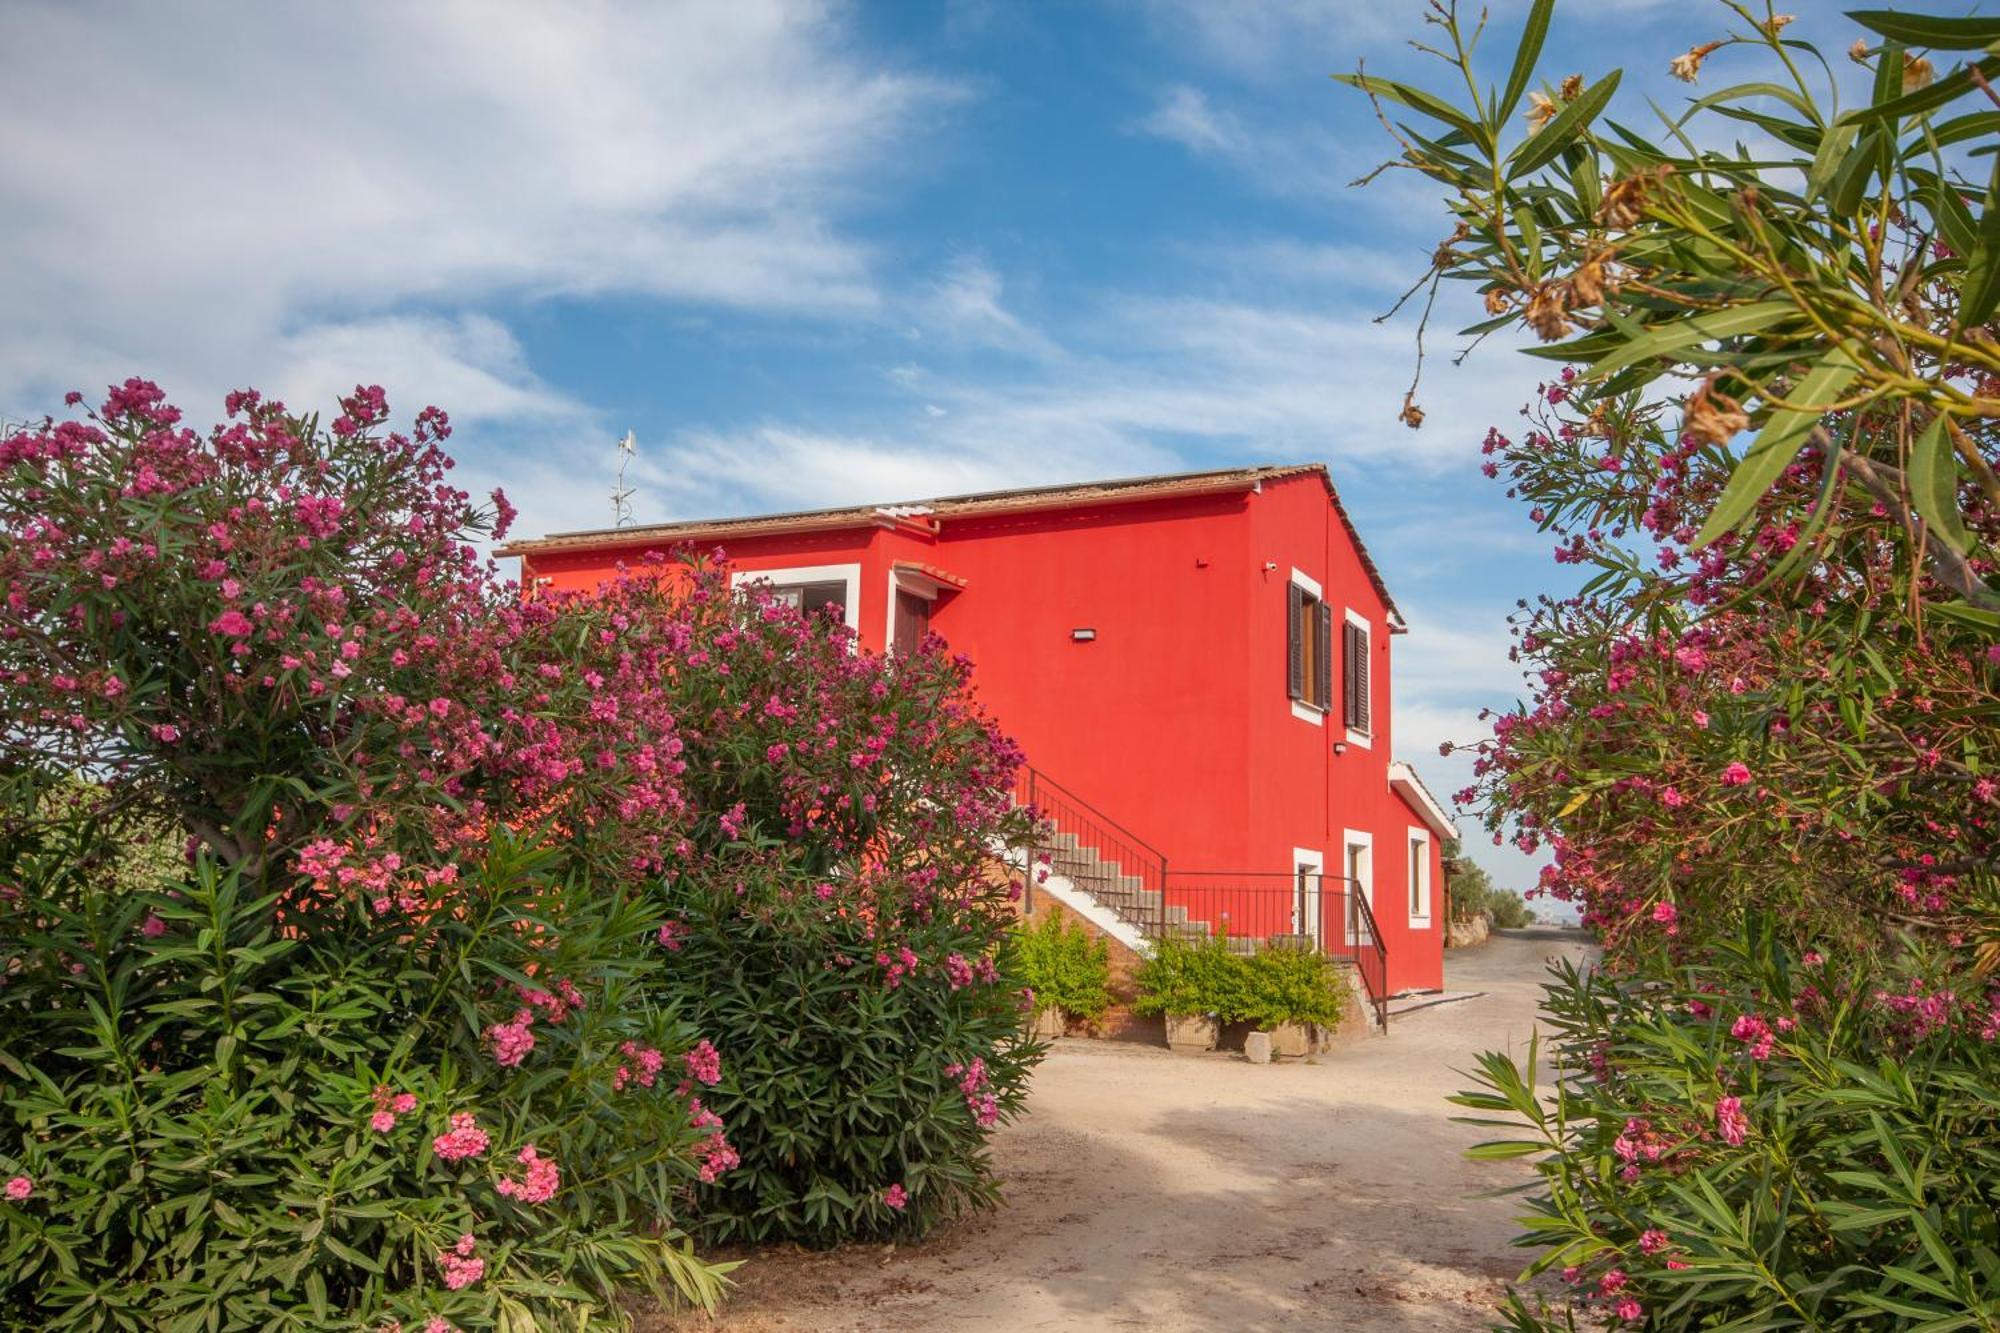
(1348, 673)
(1360, 677)
(1323, 654)
(1295, 641)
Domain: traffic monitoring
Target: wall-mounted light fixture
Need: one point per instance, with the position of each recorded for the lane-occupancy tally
(1083, 635)
(1340, 747)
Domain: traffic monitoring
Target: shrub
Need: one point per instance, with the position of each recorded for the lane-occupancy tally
(1473, 893)
(1067, 969)
(423, 826)
(1183, 980)
(1775, 691)
(1761, 1141)
(835, 921)
(1289, 984)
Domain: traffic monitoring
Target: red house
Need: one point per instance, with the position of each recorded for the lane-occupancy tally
(1197, 666)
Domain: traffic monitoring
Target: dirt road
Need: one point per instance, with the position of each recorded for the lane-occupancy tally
(1153, 1191)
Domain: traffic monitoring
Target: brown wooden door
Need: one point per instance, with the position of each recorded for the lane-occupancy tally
(913, 621)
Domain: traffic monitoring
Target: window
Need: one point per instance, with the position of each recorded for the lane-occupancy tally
(1308, 648)
(812, 597)
(1420, 877)
(812, 589)
(1354, 675)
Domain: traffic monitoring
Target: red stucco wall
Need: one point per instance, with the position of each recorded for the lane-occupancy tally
(1174, 719)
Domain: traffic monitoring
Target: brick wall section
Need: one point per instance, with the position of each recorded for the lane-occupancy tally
(1119, 1022)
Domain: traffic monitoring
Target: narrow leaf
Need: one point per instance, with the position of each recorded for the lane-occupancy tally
(1778, 443)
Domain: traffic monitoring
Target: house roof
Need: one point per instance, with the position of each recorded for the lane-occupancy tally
(1404, 780)
(927, 514)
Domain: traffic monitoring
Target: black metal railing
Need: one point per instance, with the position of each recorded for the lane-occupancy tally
(1129, 876)
(1080, 842)
(1327, 913)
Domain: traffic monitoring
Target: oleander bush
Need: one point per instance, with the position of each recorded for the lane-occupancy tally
(836, 919)
(1066, 968)
(380, 948)
(329, 895)
(1761, 742)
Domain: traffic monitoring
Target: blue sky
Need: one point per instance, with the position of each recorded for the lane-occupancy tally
(810, 254)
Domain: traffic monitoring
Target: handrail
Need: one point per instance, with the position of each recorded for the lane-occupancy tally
(1114, 846)
(1150, 910)
(1377, 985)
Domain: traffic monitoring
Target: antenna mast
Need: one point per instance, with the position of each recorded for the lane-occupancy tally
(621, 495)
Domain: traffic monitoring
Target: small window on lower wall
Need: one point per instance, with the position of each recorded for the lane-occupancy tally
(1420, 877)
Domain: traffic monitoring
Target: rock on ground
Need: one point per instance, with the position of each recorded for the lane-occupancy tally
(1148, 1190)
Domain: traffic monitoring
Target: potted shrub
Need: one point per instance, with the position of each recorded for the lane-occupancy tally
(1291, 989)
(1068, 970)
(1194, 987)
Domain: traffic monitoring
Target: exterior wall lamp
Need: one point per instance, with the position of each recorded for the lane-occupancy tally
(1083, 635)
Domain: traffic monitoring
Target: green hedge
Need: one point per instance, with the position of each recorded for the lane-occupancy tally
(1067, 969)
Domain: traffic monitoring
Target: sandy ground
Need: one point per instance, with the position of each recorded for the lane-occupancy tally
(1148, 1190)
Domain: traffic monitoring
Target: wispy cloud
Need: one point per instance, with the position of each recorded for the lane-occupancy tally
(210, 204)
(1184, 116)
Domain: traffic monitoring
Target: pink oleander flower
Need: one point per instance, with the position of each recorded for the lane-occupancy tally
(1652, 1241)
(672, 935)
(537, 1184)
(704, 1063)
(1730, 1121)
(1736, 775)
(459, 1265)
(464, 1139)
(896, 1197)
(19, 1188)
(152, 927)
(1629, 1310)
(382, 1121)
(1666, 913)
(166, 733)
(403, 1103)
(512, 1041)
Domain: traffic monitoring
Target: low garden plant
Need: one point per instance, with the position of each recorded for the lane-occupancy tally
(1191, 979)
(1287, 984)
(1067, 970)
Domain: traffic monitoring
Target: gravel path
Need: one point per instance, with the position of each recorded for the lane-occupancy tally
(1153, 1191)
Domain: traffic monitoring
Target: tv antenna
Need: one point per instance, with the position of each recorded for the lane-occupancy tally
(621, 494)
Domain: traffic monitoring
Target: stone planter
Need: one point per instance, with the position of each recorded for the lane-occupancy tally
(1192, 1032)
(1049, 1024)
(1291, 1041)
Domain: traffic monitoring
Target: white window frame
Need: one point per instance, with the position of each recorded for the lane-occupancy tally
(848, 574)
(1302, 709)
(1418, 844)
(915, 584)
(1350, 839)
(1354, 735)
(1302, 857)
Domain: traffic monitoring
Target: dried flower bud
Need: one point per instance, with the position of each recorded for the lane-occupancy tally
(1572, 88)
(1497, 301)
(1541, 110)
(1686, 67)
(1711, 416)
(1586, 285)
(1858, 52)
(1547, 311)
(1411, 415)
(1625, 200)
(1917, 73)
(1777, 23)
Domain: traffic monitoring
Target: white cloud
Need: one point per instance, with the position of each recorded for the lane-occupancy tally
(1185, 117)
(470, 365)
(965, 305)
(197, 192)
